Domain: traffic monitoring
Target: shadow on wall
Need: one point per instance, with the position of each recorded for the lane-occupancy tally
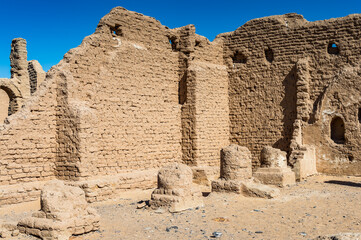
(288, 105)
(344, 183)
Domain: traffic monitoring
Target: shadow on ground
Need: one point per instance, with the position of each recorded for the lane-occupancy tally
(344, 183)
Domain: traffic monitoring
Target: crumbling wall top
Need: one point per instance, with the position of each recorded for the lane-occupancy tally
(289, 21)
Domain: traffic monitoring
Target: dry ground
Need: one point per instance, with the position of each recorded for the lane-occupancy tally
(322, 205)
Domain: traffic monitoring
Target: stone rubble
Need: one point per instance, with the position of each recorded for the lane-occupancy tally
(176, 190)
(64, 212)
(274, 170)
(236, 175)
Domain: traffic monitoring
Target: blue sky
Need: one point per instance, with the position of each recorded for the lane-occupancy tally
(51, 28)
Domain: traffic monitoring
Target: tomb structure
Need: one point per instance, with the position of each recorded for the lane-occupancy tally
(236, 175)
(135, 96)
(274, 169)
(176, 190)
(64, 212)
(236, 167)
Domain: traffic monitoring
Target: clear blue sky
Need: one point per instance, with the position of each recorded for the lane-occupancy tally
(51, 28)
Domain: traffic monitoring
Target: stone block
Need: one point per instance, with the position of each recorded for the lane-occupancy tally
(62, 208)
(176, 190)
(246, 188)
(252, 189)
(236, 163)
(306, 163)
(236, 166)
(222, 185)
(275, 176)
(273, 157)
(274, 170)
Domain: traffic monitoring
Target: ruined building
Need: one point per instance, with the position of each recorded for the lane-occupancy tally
(136, 95)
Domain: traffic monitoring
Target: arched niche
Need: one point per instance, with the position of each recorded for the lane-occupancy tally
(9, 99)
(4, 105)
(338, 130)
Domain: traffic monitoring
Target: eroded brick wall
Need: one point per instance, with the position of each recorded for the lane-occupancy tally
(136, 95)
(28, 141)
(336, 131)
(124, 87)
(114, 105)
(205, 121)
(261, 56)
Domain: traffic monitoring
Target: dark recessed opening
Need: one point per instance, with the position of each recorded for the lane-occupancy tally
(13, 104)
(359, 115)
(239, 57)
(333, 48)
(338, 130)
(269, 54)
(350, 158)
(182, 90)
(173, 43)
(117, 31)
(33, 81)
(198, 43)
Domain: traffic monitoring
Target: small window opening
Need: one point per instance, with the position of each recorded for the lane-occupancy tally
(172, 41)
(333, 48)
(350, 158)
(239, 57)
(198, 43)
(269, 55)
(117, 31)
(338, 130)
(359, 115)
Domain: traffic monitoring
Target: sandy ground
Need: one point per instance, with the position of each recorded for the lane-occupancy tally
(319, 206)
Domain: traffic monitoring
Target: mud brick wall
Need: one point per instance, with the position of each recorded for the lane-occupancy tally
(112, 105)
(260, 57)
(211, 101)
(341, 100)
(19, 66)
(136, 95)
(32, 78)
(204, 84)
(211, 111)
(124, 91)
(108, 187)
(28, 140)
(22, 192)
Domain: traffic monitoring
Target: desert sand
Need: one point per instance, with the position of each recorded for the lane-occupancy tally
(321, 205)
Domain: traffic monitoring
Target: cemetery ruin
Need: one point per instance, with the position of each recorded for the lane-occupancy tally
(280, 95)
